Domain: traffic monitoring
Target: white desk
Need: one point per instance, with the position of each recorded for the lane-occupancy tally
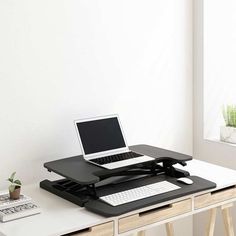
(59, 216)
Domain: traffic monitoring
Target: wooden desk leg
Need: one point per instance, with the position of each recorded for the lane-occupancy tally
(228, 221)
(211, 224)
(169, 229)
(141, 233)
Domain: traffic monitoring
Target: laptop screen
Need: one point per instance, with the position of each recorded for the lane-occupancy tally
(100, 135)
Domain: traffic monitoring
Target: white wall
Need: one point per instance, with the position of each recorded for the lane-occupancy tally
(63, 60)
(219, 62)
(214, 152)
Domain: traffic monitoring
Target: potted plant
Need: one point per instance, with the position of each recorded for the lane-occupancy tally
(228, 132)
(15, 187)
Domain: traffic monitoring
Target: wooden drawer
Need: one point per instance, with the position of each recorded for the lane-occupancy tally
(154, 215)
(214, 197)
(98, 230)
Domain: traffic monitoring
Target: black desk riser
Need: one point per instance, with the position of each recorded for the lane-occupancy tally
(84, 183)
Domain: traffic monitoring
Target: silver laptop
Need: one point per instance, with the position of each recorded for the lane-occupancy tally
(103, 143)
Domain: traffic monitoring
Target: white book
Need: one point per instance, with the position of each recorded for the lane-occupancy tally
(15, 209)
(5, 200)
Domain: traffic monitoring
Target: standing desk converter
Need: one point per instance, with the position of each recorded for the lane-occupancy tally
(84, 183)
(60, 217)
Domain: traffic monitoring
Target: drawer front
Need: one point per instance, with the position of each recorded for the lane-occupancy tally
(154, 215)
(98, 230)
(214, 197)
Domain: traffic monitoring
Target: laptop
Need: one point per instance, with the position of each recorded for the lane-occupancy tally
(103, 143)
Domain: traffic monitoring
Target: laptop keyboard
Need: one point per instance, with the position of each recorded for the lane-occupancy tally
(115, 158)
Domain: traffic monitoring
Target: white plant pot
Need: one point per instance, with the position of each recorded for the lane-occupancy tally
(228, 134)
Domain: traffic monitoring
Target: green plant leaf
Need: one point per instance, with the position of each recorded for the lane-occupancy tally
(225, 115)
(229, 114)
(234, 116)
(11, 188)
(13, 176)
(18, 182)
(10, 180)
(14, 184)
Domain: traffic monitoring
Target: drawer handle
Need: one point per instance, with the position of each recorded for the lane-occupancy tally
(87, 230)
(155, 210)
(223, 189)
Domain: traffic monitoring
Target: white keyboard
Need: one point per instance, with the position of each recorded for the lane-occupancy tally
(135, 194)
